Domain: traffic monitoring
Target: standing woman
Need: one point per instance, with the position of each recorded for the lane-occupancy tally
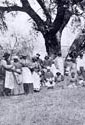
(36, 80)
(18, 86)
(36, 76)
(26, 76)
(9, 79)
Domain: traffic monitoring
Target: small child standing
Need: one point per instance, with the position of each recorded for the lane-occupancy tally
(49, 79)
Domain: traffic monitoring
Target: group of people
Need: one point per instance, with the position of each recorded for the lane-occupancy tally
(75, 69)
(20, 75)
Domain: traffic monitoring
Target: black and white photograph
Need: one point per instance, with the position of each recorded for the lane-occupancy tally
(42, 62)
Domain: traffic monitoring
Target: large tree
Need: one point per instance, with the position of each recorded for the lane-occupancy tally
(52, 27)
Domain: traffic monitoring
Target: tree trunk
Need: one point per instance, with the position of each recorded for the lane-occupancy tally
(52, 44)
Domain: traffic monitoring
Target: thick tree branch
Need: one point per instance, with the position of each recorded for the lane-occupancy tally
(67, 16)
(46, 12)
(62, 17)
(28, 9)
(11, 8)
(58, 20)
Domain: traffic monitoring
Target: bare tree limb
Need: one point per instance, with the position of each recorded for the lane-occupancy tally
(25, 3)
(58, 20)
(11, 8)
(46, 12)
(62, 17)
(28, 9)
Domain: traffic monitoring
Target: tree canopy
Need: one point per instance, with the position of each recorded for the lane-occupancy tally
(56, 15)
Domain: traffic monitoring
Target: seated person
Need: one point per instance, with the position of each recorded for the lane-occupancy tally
(49, 78)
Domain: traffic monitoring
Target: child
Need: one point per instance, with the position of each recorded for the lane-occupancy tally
(49, 79)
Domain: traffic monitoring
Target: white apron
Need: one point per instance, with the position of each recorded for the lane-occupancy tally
(9, 80)
(36, 81)
(80, 63)
(50, 82)
(53, 69)
(26, 75)
(60, 64)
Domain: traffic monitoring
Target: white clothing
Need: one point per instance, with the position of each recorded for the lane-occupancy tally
(36, 81)
(50, 82)
(84, 60)
(26, 75)
(68, 70)
(18, 78)
(9, 78)
(80, 63)
(53, 69)
(77, 9)
(60, 65)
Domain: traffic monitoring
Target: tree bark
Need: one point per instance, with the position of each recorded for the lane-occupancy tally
(48, 28)
(52, 44)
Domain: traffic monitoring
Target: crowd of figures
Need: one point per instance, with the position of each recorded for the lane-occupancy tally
(19, 75)
(75, 69)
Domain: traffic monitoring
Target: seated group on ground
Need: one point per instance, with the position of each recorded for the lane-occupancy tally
(20, 75)
(75, 71)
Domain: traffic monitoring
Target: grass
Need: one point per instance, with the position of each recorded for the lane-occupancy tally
(49, 107)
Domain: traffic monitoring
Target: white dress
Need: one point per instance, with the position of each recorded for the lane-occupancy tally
(50, 82)
(9, 80)
(26, 75)
(36, 81)
(80, 63)
(60, 65)
(53, 69)
(18, 86)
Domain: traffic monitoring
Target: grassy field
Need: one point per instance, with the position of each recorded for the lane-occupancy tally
(49, 107)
